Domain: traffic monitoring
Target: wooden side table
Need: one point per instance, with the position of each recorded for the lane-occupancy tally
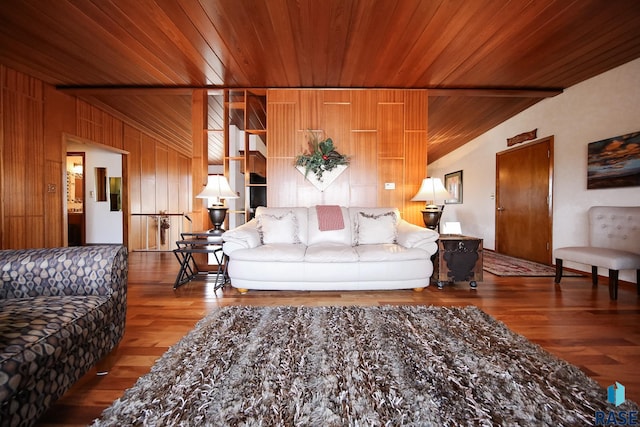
(459, 258)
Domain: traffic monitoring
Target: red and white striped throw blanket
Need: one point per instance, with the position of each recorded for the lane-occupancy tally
(329, 217)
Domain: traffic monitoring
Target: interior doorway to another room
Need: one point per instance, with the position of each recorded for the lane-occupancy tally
(75, 199)
(101, 214)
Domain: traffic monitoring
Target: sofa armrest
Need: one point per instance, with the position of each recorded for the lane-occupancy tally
(82, 270)
(414, 236)
(245, 236)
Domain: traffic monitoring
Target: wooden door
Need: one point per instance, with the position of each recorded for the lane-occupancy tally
(524, 182)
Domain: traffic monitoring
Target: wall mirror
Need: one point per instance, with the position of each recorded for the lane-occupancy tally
(115, 194)
(75, 182)
(101, 184)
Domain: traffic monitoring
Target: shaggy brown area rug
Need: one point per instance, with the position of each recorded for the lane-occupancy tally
(358, 366)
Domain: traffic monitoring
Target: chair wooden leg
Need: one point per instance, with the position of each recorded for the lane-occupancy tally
(613, 284)
(558, 270)
(594, 275)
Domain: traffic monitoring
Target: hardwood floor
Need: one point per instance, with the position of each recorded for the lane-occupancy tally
(574, 321)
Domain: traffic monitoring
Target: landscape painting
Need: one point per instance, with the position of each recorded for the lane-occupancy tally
(614, 162)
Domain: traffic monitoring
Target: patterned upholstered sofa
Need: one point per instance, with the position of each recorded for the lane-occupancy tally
(61, 311)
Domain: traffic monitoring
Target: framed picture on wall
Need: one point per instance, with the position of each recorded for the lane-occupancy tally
(614, 162)
(453, 184)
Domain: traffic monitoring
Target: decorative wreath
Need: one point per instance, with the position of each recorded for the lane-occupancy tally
(321, 156)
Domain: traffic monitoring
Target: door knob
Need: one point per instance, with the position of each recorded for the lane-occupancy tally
(500, 208)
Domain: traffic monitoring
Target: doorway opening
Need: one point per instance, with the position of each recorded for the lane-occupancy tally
(104, 206)
(75, 199)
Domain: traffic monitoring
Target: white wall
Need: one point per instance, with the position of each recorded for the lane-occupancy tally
(101, 225)
(602, 107)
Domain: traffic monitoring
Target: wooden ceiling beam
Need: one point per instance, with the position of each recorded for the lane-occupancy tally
(126, 90)
(433, 92)
(495, 93)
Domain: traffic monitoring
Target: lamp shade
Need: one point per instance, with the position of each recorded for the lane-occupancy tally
(217, 188)
(431, 191)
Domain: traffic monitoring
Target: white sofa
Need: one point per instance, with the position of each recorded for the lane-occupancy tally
(613, 243)
(284, 249)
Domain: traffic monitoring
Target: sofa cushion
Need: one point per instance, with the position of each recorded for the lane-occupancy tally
(615, 227)
(389, 252)
(300, 215)
(274, 252)
(342, 236)
(611, 259)
(29, 323)
(56, 271)
(331, 252)
(376, 228)
(47, 342)
(278, 228)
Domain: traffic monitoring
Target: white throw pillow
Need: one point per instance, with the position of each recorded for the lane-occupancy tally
(316, 236)
(278, 228)
(376, 229)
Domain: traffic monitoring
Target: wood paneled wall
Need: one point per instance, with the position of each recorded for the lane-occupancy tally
(199, 158)
(34, 118)
(98, 126)
(159, 179)
(59, 119)
(384, 132)
(23, 161)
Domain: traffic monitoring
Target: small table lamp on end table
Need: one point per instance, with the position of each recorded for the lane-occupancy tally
(217, 188)
(431, 191)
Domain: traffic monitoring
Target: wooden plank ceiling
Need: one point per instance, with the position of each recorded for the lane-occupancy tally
(489, 59)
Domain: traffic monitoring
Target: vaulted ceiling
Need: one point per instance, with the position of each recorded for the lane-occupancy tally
(486, 60)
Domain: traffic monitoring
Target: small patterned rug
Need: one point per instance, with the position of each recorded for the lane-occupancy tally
(358, 366)
(504, 265)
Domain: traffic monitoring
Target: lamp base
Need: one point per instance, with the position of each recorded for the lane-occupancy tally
(217, 214)
(431, 217)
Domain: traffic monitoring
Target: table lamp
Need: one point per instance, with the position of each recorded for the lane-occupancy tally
(216, 190)
(431, 191)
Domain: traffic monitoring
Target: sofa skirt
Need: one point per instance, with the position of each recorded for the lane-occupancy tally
(320, 276)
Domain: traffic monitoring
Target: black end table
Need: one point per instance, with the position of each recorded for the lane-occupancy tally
(199, 243)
